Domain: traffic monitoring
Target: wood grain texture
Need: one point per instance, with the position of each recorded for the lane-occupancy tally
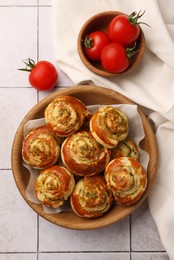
(89, 95)
(100, 22)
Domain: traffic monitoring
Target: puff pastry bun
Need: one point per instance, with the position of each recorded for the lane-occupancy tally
(126, 148)
(54, 185)
(109, 126)
(65, 115)
(83, 155)
(127, 179)
(40, 148)
(91, 198)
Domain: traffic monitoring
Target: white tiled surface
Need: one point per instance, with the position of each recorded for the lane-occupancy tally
(25, 29)
(111, 238)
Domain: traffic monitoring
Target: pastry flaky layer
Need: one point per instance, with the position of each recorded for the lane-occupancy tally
(40, 148)
(126, 148)
(65, 115)
(109, 126)
(91, 197)
(54, 185)
(83, 155)
(127, 179)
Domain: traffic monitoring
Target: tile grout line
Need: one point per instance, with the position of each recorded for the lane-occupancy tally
(101, 252)
(130, 237)
(37, 48)
(37, 31)
(28, 87)
(11, 5)
(37, 237)
(83, 252)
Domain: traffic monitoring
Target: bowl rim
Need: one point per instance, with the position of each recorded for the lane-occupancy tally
(89, 64)
(81, 223)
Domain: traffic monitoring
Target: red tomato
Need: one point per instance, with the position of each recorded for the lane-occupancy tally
(114, 58)
(94, 43)
(43, 75)
(124, 29)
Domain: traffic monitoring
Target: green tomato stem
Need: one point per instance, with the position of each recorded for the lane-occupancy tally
(30, 64)
(133, 18)
(88, 42)
(130, 52)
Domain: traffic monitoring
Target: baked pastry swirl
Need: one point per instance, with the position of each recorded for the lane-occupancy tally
(126, 148)
(65, 115)
(54, 185)
(40, 148)
(109, 126)
(83, 155)
(91, 197)
(127, 179)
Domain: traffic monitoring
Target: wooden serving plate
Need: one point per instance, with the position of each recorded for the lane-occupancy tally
(100, 22)
(89, 95)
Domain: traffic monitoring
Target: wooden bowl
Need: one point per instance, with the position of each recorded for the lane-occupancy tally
(89, 95)
(100, 22)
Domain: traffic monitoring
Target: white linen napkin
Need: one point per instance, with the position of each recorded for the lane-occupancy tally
(151, 85)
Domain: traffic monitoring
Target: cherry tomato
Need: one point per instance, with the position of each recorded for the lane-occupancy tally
(43, 75)
(114, 58)
(94, 43)
(125, 29)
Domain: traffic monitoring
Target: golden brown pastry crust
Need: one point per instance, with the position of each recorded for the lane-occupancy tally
(109, 126)
(127, 179)
(54, 185)
(40, 148)
(91, 197)
(65, 115)
(126, 148)
(83, 155)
